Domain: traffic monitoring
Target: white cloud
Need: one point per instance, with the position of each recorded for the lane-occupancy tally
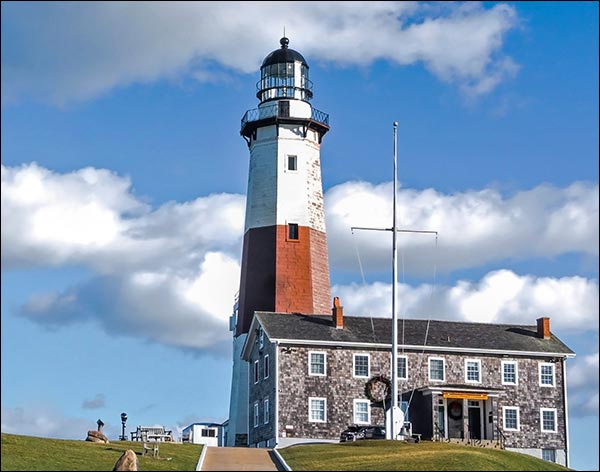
(91, 217)
(60, 52)
(499, 297)
(169, 275)
(189, 312)
(474, 227)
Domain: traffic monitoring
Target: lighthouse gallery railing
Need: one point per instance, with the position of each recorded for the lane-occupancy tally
(262, 113)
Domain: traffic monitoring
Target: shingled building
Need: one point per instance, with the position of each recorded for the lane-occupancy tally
(494, 385)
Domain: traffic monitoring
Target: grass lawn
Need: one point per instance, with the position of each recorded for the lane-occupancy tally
(397, 455)
(32, 453)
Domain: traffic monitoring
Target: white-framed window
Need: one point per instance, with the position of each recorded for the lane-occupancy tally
(510, 417)
(317, 410)
(256, 414)
(472, 371)
(266, 366)
(256, 369)
(549, 455)
(436, 369)
(292, 163)
(402, 367)
(361, 365)
(362, 412)
(546, 374)
(266, 411)
(510, 375)
(548, 420)
(317, 363)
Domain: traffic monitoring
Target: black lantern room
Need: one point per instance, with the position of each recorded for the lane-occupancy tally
(284, 74)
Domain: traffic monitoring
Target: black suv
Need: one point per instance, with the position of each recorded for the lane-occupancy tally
(355, 432)
(374, 432)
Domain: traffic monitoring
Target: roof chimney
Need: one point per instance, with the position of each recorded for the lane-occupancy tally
(543, 328)
(337, 313)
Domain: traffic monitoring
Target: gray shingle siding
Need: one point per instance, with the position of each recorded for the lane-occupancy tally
(265, 388)
(339, 387)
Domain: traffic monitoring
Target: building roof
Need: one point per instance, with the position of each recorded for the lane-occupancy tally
(208, 425)
(442, 335)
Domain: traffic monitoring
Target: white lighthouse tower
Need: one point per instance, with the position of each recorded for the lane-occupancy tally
(285, 266)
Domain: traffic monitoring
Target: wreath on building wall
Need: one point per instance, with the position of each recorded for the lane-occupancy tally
(455, 410)
(371, 387)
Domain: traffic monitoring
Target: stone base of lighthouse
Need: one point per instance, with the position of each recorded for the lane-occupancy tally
(285, 270)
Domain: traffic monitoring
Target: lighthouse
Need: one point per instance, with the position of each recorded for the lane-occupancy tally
(285, 266)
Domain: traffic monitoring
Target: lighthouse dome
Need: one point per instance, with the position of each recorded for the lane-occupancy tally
(284, 54)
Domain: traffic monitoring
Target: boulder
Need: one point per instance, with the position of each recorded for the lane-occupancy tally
(96, 436)
(127, 461)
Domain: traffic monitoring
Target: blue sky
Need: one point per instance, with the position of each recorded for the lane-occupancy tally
(124, 180)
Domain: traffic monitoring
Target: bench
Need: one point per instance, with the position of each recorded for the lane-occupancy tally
(151, 433)
(150, 448)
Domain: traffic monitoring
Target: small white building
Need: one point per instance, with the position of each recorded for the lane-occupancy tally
(210, 434)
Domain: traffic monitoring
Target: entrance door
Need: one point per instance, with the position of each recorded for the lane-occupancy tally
(441, 420)
(475, 420)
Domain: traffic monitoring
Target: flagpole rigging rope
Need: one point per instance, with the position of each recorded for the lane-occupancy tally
(362, 273)
(429, 318)
(404, 282)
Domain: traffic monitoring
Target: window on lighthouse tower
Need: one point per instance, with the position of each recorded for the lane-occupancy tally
(293, 231)
(292, 162)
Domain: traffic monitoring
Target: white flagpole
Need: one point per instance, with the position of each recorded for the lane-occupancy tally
(394, 411)
(395, 414)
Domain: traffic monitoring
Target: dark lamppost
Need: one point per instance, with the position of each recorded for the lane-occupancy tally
(123, 421)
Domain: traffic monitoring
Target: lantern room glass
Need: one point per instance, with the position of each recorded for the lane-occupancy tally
(284, 80)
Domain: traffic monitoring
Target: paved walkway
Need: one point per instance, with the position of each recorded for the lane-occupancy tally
(238, 458)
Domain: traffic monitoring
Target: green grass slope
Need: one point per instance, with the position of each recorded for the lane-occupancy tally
(33, 453)
(398, 455)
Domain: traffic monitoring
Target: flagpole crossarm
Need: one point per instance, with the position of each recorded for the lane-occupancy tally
(352, 228)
